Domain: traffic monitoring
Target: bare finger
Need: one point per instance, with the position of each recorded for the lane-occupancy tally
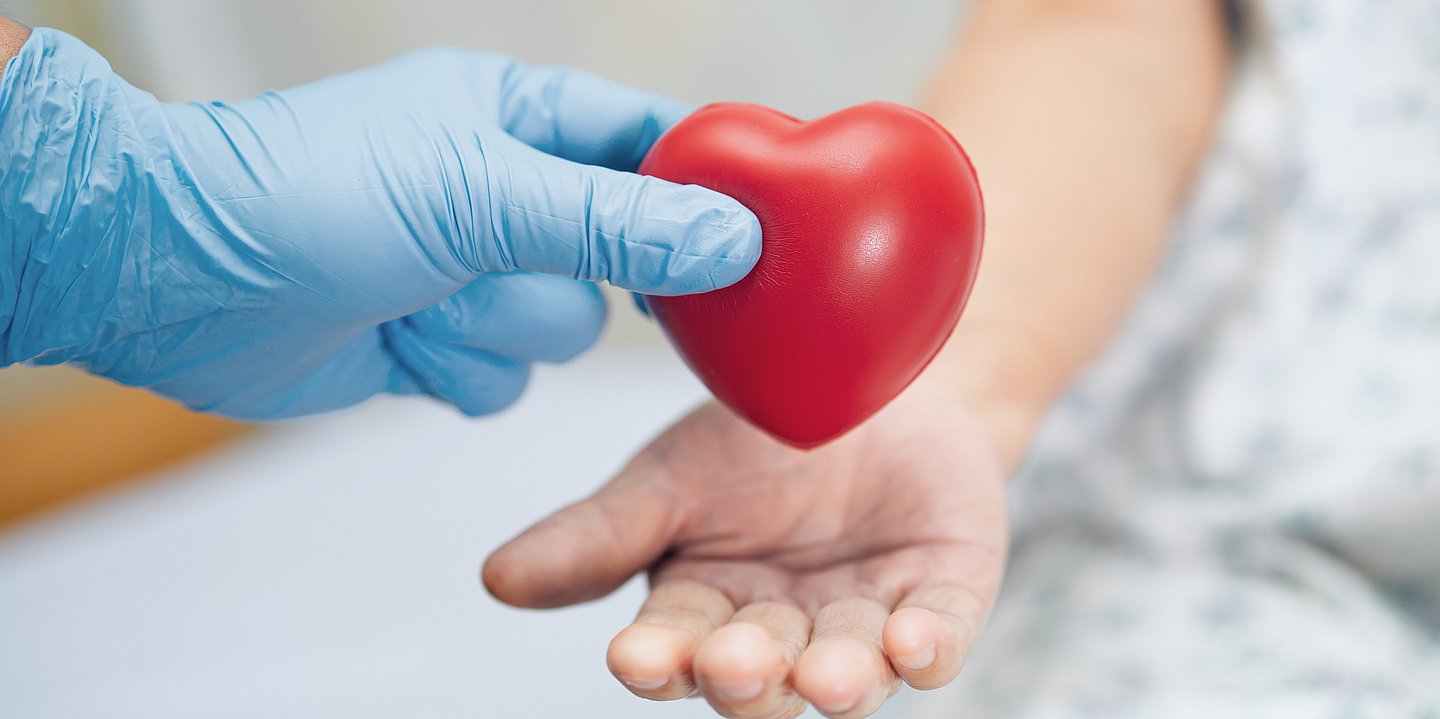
(929, 635)
(844, 671)
(743, 668)
(653, 656)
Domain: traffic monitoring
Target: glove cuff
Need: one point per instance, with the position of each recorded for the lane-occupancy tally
(70, 150)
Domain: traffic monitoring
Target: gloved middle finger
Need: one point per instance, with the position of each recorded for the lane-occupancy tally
(520, 315)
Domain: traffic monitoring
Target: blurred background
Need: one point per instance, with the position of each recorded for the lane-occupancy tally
(157, 563)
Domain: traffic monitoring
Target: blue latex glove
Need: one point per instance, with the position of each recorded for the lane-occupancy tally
(377, 231)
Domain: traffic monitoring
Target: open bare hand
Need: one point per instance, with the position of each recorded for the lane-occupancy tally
(780, 577)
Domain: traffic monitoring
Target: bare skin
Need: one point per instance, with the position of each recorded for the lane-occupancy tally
(12, 36)
(781, 578)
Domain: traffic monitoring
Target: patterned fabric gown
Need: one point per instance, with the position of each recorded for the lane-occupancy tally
(1236, 512)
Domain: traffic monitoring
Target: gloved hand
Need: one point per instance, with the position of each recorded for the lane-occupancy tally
(383, 230)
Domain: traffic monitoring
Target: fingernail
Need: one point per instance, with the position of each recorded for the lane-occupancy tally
(838, 708)
(741, 693)
(646, 685)
(919, 661)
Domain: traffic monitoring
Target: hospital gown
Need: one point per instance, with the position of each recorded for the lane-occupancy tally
(1236, 512)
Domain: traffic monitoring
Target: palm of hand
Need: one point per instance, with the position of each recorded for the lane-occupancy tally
(779, 577)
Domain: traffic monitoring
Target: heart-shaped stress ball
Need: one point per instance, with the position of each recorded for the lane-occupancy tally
(871, 223)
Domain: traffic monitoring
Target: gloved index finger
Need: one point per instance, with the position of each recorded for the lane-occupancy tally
(584, 118)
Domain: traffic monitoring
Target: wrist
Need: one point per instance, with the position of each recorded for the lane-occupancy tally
(12, 37)
(1006, 379)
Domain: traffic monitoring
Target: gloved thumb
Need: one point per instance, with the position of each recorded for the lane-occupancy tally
(586, 550)
(638, 233)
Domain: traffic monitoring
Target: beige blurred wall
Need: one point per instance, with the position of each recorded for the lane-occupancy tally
(803, 56)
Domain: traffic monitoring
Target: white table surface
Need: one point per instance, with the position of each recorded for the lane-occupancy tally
(328, 568)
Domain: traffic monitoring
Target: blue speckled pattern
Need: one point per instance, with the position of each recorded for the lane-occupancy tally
(1237, 512)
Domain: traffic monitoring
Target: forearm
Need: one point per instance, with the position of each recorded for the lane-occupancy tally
(12, 36)
(1085, 120)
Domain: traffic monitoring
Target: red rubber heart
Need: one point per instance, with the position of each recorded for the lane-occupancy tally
(871, 220)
